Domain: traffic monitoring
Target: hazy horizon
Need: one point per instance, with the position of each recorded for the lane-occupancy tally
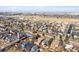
(39, 8)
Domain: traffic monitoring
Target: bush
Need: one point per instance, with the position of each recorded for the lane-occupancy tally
(35, 37)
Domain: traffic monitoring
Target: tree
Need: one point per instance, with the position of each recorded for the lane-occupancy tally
(50, 41)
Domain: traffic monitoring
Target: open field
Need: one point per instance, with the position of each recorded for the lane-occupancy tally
(48, 18)
(52, 19)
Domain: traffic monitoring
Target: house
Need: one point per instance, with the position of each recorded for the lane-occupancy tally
(26, 46)
(35, 48)
(68, 47)
(29, 35)
(75, 32)
(45, 42)
(2, 28)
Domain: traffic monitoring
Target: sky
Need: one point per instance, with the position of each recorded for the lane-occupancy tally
(39, 8)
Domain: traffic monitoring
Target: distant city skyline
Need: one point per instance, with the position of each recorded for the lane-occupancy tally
(39, 8)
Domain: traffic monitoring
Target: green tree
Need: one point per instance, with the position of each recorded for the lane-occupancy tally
(50, 41)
